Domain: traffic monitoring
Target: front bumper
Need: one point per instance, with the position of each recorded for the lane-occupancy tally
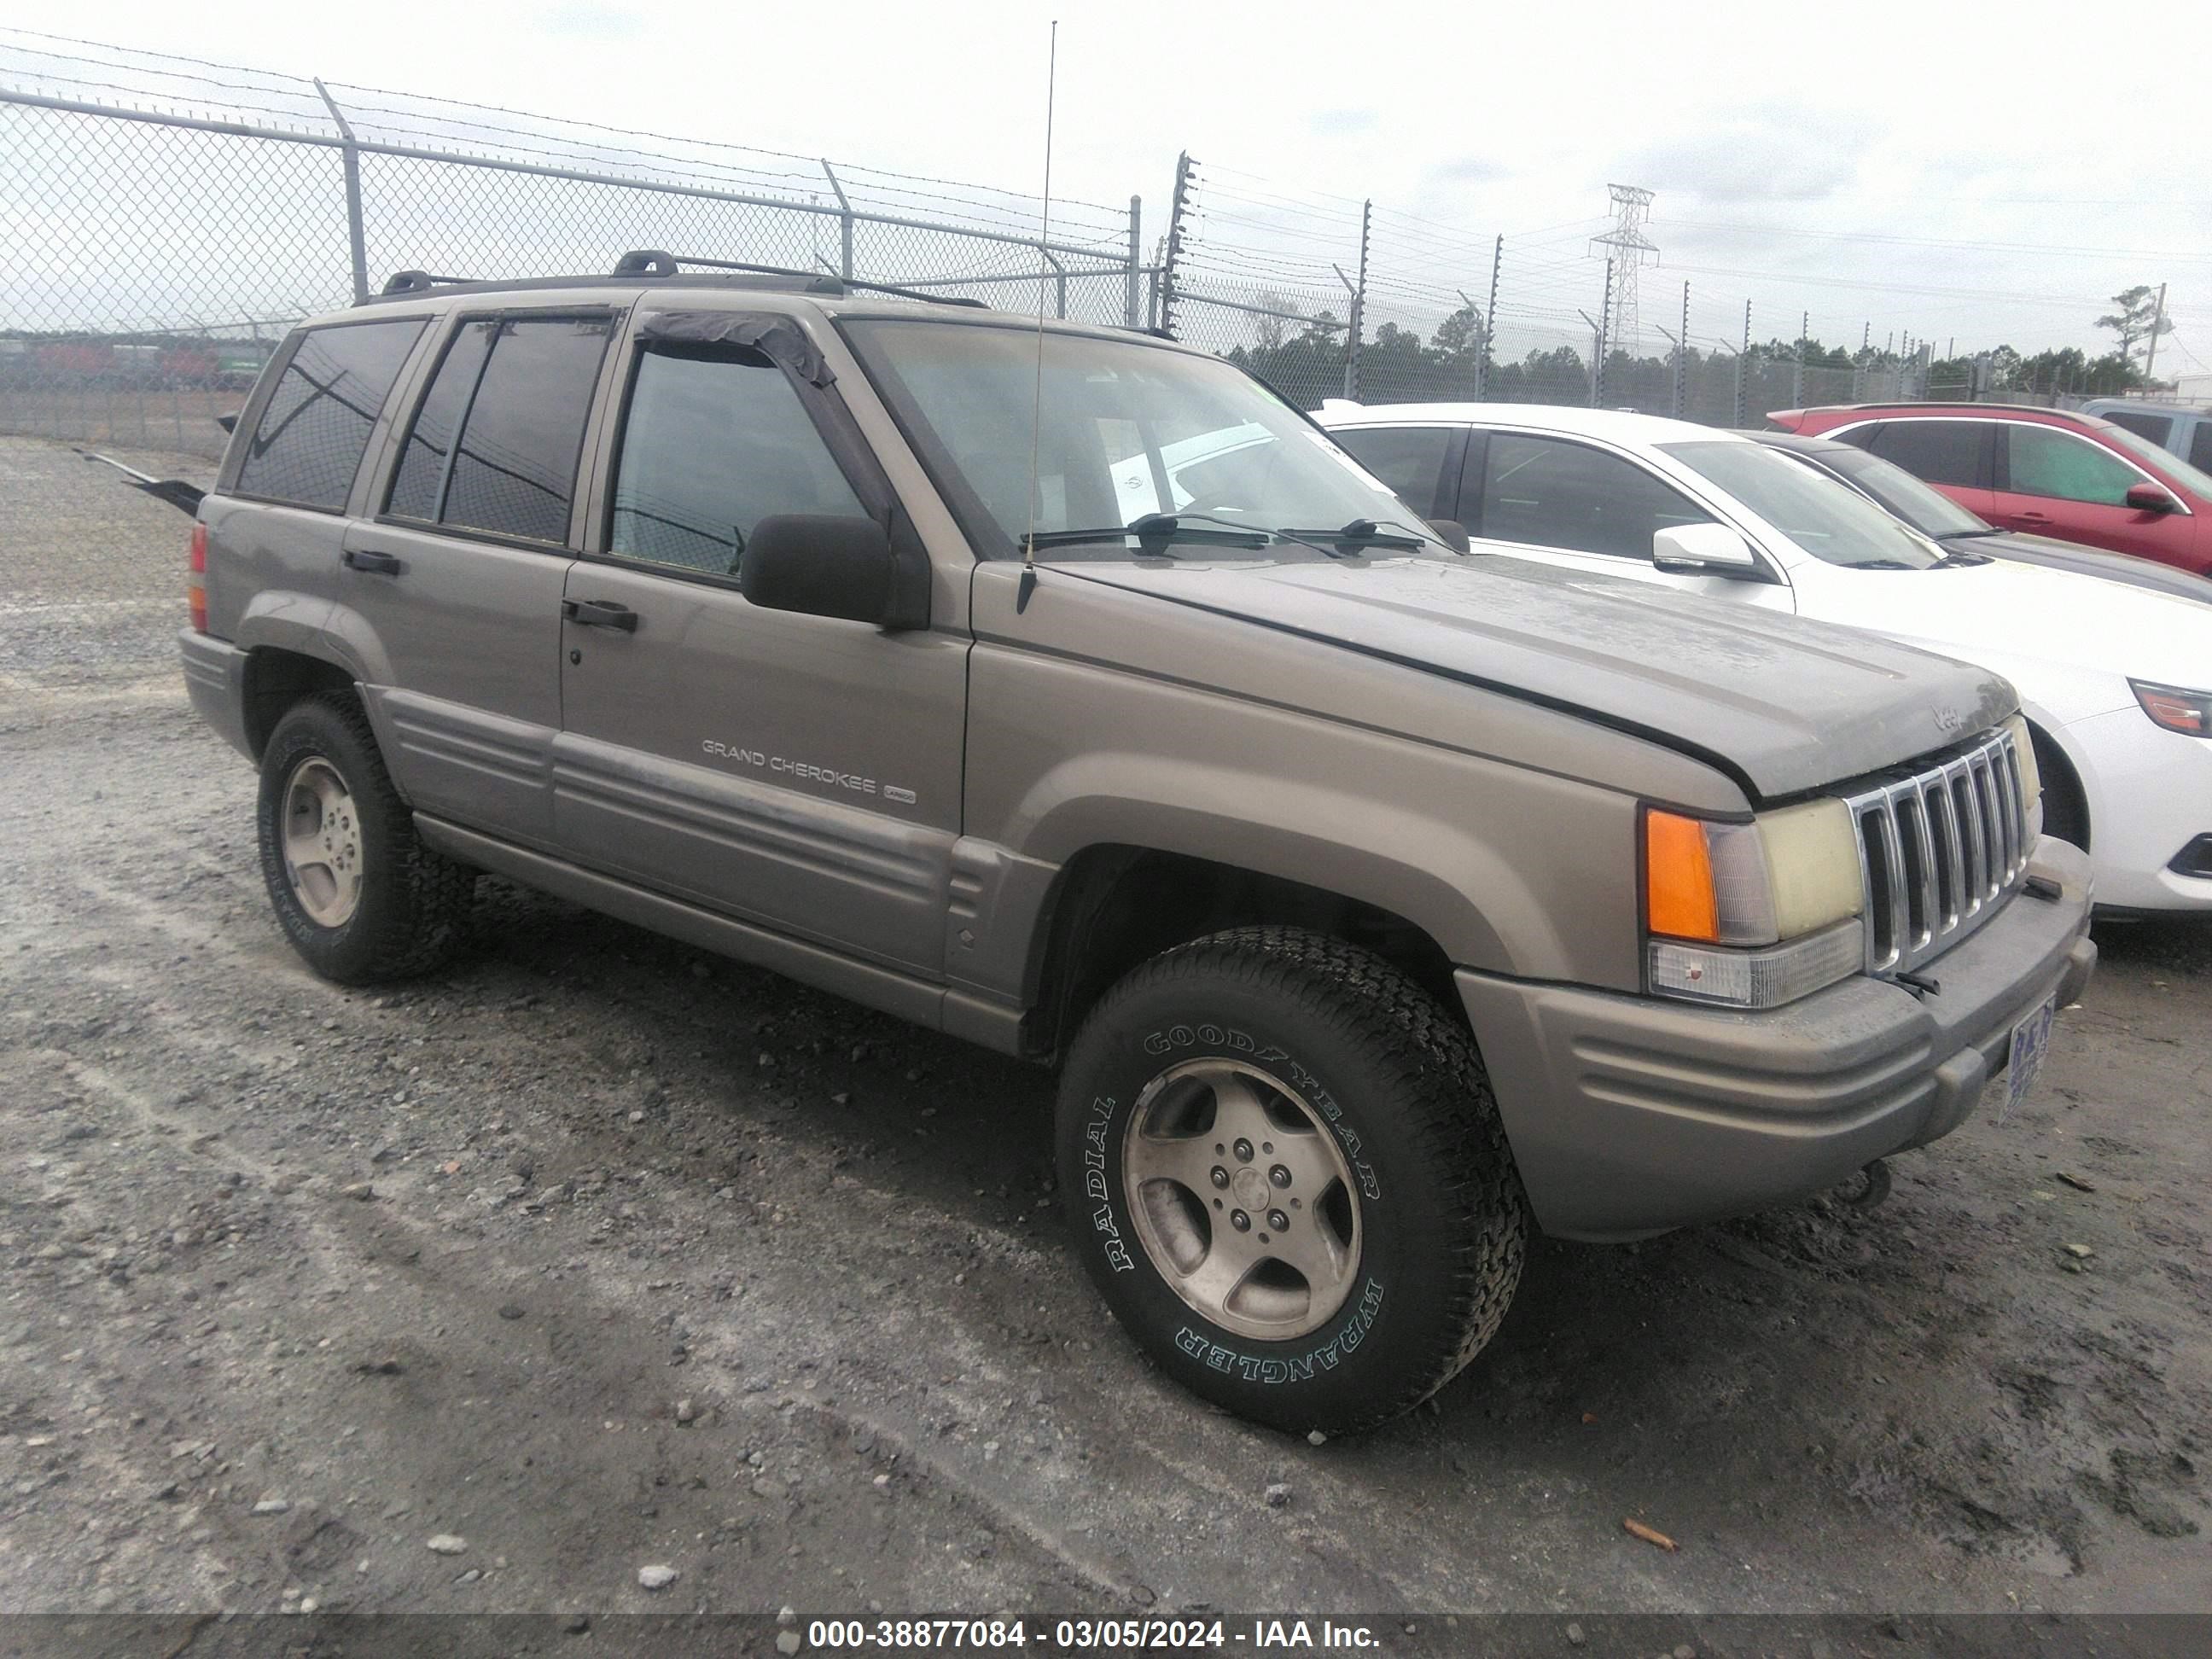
(1629, 1116)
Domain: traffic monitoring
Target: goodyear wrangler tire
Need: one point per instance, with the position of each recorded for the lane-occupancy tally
(354, 890)
(1286, 1175)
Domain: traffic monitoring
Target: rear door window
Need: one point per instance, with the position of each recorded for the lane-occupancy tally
(1547, 492)
(1416, 461)
(495, 443)
(2042, 460)
(2200, 447)
(715, 441)
(2156, 428)
(1941, 452)
(316, 425)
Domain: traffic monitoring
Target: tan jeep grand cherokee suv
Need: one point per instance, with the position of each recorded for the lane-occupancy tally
(1376, 899)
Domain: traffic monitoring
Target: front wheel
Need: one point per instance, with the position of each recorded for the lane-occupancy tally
(1288, 1178)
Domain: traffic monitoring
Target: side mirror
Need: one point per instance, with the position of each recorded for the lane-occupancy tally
(1453, 532)
(1703, 550)
(824, 566)
(2151, 498)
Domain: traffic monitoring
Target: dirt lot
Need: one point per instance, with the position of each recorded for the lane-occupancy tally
(663, 1261)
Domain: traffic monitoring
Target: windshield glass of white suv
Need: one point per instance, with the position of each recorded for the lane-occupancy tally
(1124, 431)
(1830, 521)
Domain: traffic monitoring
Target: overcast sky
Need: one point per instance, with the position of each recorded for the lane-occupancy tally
(1984, 172)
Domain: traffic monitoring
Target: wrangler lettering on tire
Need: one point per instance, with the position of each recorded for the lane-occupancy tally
(1289, 1179)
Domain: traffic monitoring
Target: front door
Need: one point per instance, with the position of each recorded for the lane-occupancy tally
(454, 590)
(1567, 503)
(800, 772)
(2057, 482)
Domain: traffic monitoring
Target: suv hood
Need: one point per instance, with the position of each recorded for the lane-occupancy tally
(1783, 705)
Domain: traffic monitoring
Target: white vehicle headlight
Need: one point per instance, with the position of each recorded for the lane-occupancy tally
(2176, 708)
(1752, 914)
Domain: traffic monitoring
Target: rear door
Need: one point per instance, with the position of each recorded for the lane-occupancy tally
(452, 594)
(1421, 462)
(1959, 457)
(2057, 483)
(800, 772)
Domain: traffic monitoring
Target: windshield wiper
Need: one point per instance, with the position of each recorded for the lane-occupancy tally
(1360, 532)
(1957, 535)
(1153, 532)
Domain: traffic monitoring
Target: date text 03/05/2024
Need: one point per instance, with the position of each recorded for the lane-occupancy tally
(1291, 1635)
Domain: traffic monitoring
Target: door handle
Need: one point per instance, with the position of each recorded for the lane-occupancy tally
(599, 613)
(362, 558)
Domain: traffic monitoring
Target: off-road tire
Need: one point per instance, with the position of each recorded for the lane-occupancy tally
(414, 904)
(1443, 1218)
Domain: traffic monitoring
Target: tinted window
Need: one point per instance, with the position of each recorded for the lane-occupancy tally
(421, 484)
(1942, 451)
(2200, 447)
(716, 440)
(1411, 459)
(2156, 428)
(1551, 494)
(312, 433)
(2045, 461)
(525, 386)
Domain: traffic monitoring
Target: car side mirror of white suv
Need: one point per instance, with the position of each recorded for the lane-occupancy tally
(1703, 550)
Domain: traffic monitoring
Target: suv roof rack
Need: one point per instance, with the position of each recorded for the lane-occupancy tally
(640, 263)
(658, 262)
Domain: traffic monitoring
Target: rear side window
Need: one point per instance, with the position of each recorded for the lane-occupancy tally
(1942, 451)
(2200, 447)
(2156, 428)
(495, 443)
(1411, 459)
(1548, 493)
(715, 441)
(317, 423)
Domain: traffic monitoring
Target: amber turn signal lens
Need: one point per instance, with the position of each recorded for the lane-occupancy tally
(1678, 879)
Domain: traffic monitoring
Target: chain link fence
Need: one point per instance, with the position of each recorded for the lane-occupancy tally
(168, 220)
(1326, 297)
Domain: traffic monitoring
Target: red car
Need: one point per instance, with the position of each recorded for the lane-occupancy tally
(2044, 470)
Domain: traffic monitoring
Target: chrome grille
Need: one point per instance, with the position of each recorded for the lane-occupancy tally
(1939, 851)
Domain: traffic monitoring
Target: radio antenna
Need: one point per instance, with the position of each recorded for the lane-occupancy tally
(1044, 279)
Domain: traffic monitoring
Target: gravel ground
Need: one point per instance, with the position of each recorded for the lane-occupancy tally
(594, 1253)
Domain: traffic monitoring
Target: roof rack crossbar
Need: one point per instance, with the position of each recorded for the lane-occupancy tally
(658, 262)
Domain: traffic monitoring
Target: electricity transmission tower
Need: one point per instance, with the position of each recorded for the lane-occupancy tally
(1627, 246)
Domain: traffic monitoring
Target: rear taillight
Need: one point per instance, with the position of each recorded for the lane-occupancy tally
(196, 579)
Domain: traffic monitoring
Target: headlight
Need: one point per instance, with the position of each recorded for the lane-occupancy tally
(2177, 709)
(1752, 914)
(2031, 775)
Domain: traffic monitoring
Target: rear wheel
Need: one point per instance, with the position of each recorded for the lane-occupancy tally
(353, 888)
(1288, 1178)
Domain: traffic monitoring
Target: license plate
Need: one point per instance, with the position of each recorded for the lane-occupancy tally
(2031, 1037)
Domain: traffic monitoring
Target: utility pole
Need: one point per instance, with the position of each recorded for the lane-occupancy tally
(1178, 213)
(1604, 316)
(1682, 353)
(1358, 308)
(2157, 324)
(1626, 246)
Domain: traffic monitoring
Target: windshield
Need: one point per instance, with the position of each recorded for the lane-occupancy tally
(2194, 480)
(1830, 521)
(1924, 507)
(1125, 431)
